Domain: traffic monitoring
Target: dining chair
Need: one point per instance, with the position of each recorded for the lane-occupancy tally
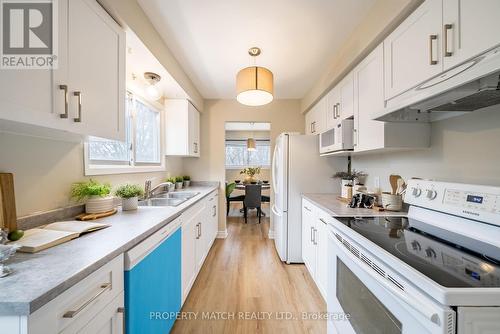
(253, 200)
(229, 189)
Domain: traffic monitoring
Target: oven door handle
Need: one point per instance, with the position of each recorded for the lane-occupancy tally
(425, 309)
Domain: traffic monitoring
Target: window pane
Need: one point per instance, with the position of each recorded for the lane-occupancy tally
(237, 155)
(147, 134)
(108, 150)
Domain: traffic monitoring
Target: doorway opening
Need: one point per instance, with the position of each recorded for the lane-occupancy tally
(248, 170)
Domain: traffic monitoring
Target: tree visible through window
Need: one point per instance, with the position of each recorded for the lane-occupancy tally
(237, 155)
(142, 143)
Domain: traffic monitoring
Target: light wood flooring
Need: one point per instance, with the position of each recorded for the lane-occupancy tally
(243, 273)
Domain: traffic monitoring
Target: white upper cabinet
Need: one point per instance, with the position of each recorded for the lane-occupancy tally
(370, 135)
(182, 128)
(316, 118)
(86, 94)
(96, 71)
(332, 108)
(470, 27)
(413, 50)
(346, 92)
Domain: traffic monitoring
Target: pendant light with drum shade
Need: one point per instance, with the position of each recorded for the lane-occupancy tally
(251, 145)
(254, 84)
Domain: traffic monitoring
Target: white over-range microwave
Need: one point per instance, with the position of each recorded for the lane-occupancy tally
(339, 138)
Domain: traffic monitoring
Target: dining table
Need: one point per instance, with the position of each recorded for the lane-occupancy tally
(265, 186)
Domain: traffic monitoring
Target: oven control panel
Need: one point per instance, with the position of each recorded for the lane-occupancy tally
(465, 200)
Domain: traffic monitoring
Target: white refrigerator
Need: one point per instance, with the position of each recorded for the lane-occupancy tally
(297, 169)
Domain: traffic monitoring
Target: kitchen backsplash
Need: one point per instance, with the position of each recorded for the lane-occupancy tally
(464, 149)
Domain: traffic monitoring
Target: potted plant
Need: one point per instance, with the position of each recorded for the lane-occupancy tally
(187, 181)
(129, 193)
(347, 181)
(171, 187)
(95, 194)
(250, 173)
(179, 181)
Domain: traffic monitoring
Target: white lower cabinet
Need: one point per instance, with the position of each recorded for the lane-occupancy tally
(314, 244)
(94, 305)
(198, 235)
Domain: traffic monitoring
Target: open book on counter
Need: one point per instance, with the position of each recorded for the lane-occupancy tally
(50, 235)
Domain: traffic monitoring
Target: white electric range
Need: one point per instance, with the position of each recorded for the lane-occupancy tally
(435, 271)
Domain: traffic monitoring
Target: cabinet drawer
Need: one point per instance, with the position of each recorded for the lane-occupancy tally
(80, 303)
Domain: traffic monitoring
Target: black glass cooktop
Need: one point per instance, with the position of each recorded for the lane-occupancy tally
(447, 263)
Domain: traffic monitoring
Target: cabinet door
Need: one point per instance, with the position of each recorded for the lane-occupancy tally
(308, 248)
(469, 28)
(369, 98)
(322, 254)
(413, 50)
(96, 71)
(332, 106)
(320, 116)
(309, 121)
(194, 131)
(189, 235)
(109, 320)
(346, 92)
(33, 96)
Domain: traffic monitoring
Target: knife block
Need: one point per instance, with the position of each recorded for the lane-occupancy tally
(8, 216)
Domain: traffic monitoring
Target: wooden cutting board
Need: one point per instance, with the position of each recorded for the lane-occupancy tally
(8, 216)
(94, 216)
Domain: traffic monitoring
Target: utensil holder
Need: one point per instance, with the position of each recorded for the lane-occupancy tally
(392, 202)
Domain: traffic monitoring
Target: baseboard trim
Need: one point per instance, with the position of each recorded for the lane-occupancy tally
(222, 234)
(270, 235)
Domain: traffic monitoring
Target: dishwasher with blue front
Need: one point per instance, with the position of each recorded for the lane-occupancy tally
(153, 282)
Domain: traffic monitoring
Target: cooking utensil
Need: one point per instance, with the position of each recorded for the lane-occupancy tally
(400, 184)
(393, 180)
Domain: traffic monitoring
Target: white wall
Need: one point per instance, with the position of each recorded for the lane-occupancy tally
(45, 169)
(463, 149)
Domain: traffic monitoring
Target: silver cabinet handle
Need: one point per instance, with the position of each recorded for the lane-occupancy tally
(322, 220)
(312, 240)
(338, 110)
(66, 102)
(355, 137)
(447, 28)
(431, 56)
(195, 147)
(335, 111)
(122, 311)
(314, 236)
(305, 207)
(103, 288)
(215, 211)
(79, 96)
(198, 231)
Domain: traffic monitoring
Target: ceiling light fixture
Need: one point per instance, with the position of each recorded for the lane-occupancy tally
(254, 84)
(251, 144)
(152, 90)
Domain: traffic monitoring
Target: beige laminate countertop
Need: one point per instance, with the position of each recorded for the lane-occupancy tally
(336, 208)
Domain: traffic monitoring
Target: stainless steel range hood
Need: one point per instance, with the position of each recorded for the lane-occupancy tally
(463, 89)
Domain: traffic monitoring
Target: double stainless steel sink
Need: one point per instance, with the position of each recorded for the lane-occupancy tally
(169, 198)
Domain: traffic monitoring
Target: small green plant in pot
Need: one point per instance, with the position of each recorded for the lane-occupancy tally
(186, 180)
(171, 187)
(96, 195)
(179, 181)
(129, 193)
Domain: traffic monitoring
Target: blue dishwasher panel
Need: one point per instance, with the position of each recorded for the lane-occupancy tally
(153, 289)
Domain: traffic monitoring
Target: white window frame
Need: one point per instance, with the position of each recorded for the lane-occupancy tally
(264, 167)
(132, 167)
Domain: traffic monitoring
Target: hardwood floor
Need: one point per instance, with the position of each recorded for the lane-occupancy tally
(243, 273)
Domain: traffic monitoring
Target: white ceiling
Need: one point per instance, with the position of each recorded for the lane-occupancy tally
(140, 60)
(210, 39)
